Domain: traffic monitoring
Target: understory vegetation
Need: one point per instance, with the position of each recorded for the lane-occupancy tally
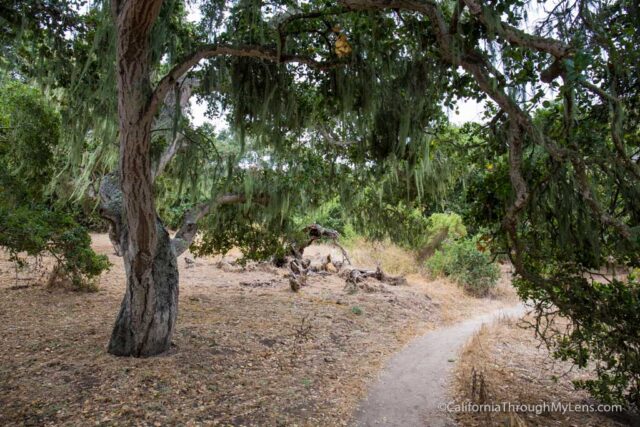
(463, 261)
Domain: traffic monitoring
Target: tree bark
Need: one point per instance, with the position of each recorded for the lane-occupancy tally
(148, 312)
(149, 309)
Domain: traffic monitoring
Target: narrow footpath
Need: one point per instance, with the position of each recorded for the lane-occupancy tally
(412, 388)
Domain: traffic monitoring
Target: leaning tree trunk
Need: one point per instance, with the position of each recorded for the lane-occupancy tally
(148, 312)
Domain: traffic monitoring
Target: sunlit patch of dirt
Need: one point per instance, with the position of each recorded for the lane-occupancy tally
(248, 351)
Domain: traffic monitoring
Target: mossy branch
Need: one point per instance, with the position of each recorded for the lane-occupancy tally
(210, 51)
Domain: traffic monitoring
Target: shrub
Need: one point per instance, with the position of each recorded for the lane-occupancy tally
(440, 227)
(36, 230)
(463, 262)
(29, 134)
(451, 222)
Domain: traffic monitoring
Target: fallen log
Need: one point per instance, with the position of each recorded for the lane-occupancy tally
(356, 275)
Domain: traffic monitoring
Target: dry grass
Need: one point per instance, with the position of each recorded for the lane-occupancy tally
(391, 258)
(503, 363)
(450, 298)
(248, 350)
(456, 304)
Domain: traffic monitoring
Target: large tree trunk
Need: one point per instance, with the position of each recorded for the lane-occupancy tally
(148, 313)
(149, 308)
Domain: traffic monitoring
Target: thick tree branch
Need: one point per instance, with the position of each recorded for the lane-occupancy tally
(487, 16)
(111, 210)
(210, 51)
(606, 96)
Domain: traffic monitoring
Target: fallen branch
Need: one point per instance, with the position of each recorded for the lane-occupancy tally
(356, 275)
(331, 266)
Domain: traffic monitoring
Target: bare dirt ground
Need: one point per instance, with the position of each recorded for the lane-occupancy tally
(247, 351)
(510, 366)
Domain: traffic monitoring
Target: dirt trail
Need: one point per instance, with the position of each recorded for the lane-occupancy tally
(412, 386)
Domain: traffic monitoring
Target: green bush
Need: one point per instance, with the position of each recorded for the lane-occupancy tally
(439, 228)
(29, 135)
(463, 262)
(32, 221)
(451, 222)
(36, 231)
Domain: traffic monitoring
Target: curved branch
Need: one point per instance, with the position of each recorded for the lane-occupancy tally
(210, 51)
(606, 96)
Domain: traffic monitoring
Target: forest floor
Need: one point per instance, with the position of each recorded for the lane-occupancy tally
(248, 351)
(504, 363)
